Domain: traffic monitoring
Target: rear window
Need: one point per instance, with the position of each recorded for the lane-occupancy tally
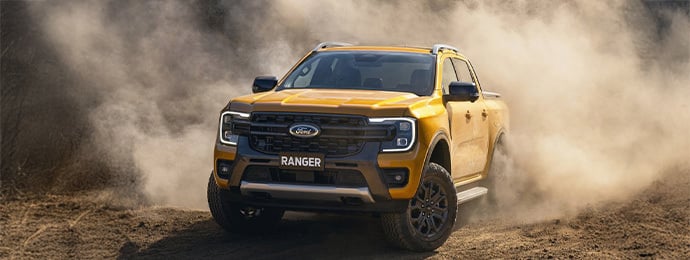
(389, 71)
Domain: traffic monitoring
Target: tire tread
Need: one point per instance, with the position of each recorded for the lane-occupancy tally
(399, 234)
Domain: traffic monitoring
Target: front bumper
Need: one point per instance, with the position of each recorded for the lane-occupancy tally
(374, 197)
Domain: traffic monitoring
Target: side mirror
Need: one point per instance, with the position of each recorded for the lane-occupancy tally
(462, 91)
(264, 83)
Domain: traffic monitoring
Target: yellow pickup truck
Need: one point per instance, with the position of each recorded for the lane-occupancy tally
(403, 132)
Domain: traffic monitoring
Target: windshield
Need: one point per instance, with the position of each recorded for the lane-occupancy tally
(390, 71)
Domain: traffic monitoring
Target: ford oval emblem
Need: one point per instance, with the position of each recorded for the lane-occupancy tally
(304, 130)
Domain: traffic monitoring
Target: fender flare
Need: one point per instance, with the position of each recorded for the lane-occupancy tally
(440, 135)
(499, 134)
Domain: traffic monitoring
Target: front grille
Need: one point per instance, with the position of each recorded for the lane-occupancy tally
(334, 177)
(341, 135)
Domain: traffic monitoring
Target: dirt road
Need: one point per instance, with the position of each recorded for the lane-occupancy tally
(654, 224)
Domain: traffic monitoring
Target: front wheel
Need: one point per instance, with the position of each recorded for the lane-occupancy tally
(234, 216)
(430, 215)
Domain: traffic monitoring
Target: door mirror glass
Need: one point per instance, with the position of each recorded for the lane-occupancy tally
(462, 91)
(264, 83)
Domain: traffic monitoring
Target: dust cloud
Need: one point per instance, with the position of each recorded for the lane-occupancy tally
(597, 90)
(159, 83)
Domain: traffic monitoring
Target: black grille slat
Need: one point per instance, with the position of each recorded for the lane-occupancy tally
(330, 177)
(341, 135)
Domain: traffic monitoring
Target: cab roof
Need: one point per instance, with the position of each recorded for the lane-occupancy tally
(341, 46)
(377, 48)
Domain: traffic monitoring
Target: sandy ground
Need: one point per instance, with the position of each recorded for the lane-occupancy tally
(654, 224)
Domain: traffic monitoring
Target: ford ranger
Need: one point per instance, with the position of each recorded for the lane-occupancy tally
(405, 133)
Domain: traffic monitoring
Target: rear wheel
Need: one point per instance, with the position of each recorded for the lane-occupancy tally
(430, 216)
(238, 217)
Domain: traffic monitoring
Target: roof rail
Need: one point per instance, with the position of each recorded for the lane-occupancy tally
(438, 47)
(330, 44)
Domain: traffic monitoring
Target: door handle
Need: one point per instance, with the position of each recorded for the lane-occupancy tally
(468, 115)
(484, 113)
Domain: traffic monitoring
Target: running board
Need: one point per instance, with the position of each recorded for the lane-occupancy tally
(471, 194)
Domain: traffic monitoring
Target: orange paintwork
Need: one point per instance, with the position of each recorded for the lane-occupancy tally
(469, 159)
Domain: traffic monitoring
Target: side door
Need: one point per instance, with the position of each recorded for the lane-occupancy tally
(460, 126)
(477, 117)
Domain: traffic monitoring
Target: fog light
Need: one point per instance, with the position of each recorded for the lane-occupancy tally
(395, 178)
(224, 168)
(402, 142)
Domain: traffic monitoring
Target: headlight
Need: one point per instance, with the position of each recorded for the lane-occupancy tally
(226, 128)
(404, 136)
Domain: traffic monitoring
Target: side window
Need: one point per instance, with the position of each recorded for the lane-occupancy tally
(448, 75)
(463, 70)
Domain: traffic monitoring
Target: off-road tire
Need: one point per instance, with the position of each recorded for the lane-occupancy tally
(406, 231)
(234, 217)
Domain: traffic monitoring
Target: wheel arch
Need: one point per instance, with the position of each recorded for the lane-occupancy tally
(500, 135)
(439, 151)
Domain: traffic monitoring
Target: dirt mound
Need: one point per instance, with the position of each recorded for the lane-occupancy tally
(656, 223)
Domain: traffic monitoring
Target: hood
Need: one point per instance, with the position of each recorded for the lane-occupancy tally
(341, 101)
